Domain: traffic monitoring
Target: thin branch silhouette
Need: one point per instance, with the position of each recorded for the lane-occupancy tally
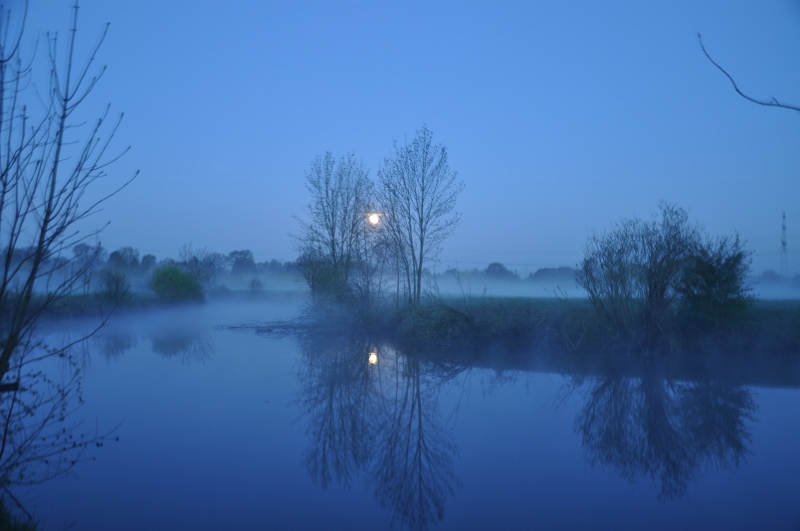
(772, 102)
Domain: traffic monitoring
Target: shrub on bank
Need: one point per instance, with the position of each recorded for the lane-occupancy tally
(114, 287)
(640, 274)
(171, 284)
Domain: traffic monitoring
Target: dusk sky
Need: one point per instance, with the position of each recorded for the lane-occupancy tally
(560, 117)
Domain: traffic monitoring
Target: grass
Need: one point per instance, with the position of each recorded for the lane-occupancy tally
(767, 329)
(10, 522)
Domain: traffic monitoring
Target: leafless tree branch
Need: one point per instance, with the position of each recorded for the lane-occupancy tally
(772, 102)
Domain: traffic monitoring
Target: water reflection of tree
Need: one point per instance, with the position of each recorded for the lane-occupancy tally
(41, 434)
(112, 345)
(648, 426)
(339, 400)
(414, 467)
(379, 421)
(187, 345)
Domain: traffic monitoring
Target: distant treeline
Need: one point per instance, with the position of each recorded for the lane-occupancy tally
(122, 275)
(565, 274)
(498, 271)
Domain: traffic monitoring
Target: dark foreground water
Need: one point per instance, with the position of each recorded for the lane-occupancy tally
(224, 429)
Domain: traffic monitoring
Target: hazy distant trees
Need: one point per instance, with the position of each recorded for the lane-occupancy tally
(417, 193)
(640, 273)
(148, 262)
(84, 259)
(498, 271)
(334, 230)
(553, 274)
(242, 262)
(201, 264)
(124, 258)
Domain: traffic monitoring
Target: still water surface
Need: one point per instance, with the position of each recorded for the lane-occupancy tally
(225, 429)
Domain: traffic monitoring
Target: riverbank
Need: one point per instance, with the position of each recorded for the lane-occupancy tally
(514, 325)
(469, 327)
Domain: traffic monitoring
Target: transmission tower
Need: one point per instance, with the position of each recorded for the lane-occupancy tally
(784, 254)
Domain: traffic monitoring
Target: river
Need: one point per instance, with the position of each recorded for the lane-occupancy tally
(226, 429)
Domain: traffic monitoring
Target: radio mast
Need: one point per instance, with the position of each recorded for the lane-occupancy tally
(784, 254)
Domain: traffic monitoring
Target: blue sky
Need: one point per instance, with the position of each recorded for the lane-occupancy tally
(560, 117)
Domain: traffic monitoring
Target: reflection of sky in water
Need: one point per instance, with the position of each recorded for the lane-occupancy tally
(221, 443)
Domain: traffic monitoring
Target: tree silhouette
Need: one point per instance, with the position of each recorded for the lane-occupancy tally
(417, 194)
(49, 163)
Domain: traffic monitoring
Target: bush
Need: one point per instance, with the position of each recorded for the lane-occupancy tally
(114, 286)
(637, 275)
(322, 276)
(713, 287)
(11, 522)
(256, 285)
(171, 284)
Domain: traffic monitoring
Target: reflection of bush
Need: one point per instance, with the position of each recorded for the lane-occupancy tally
(665, 431)
(113, 345)
(186, 346)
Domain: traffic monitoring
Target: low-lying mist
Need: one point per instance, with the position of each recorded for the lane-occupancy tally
(486, 286)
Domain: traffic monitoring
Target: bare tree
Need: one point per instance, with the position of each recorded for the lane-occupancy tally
(771, 102)
(201, 264)
(45, 172)
(48, 163)
(335, 229)
(417, 194)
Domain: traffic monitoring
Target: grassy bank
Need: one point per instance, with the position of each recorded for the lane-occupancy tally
(767, 329)
(516, 325)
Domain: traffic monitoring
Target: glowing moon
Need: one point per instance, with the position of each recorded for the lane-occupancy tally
(374, 219)
(373, 358)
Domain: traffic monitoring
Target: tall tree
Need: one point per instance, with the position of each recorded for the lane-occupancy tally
(49, 162)
(417, 193)
(336, 222)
